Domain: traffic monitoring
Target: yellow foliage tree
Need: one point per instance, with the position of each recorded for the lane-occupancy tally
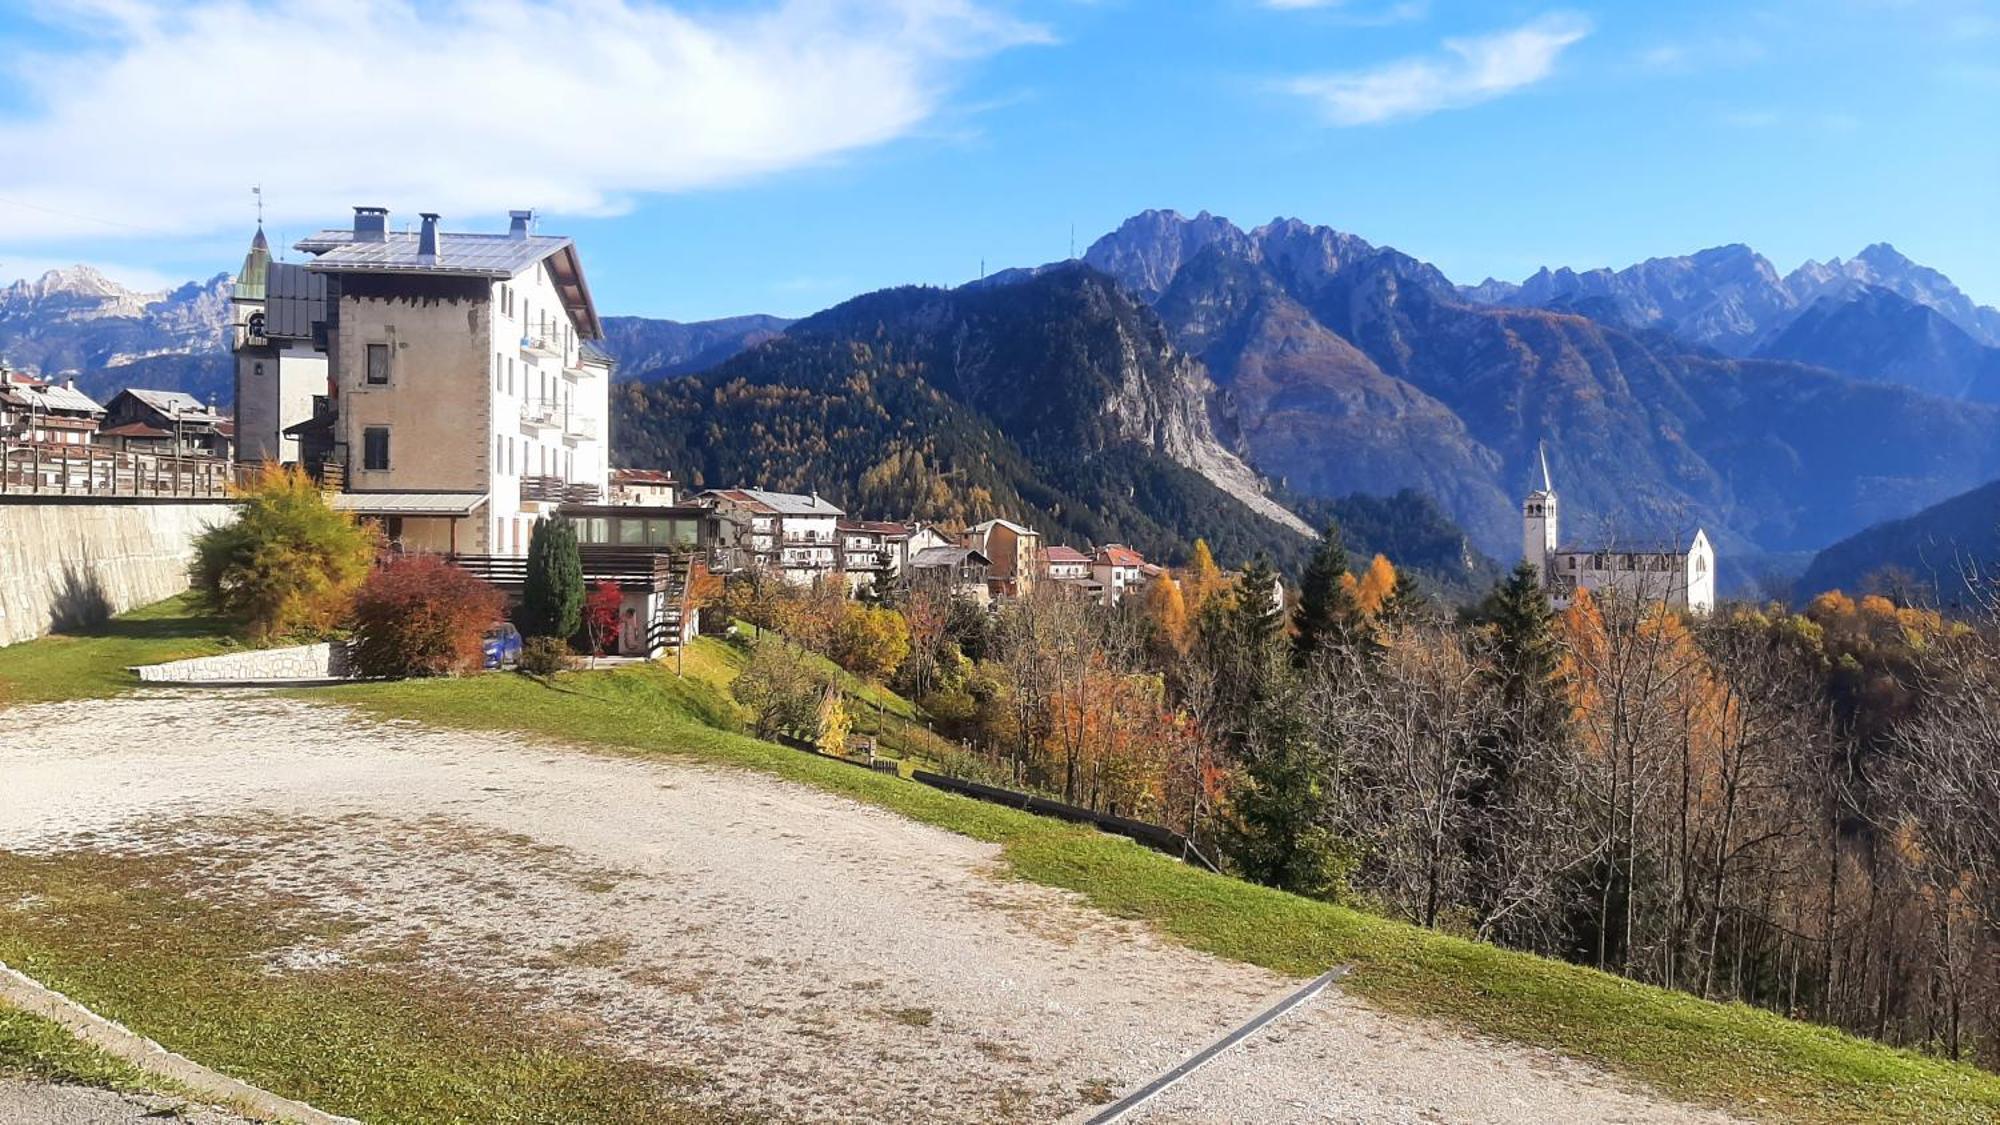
(1203, 578)
(1375, 585)
(1166, 608)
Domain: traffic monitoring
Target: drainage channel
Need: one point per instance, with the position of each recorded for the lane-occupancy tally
(1119, 1109)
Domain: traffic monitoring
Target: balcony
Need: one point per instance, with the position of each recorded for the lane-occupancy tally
(546, 339)
(577, 427)
(542, 414)
(556, 490)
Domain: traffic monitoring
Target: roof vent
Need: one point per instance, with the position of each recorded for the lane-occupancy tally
(427, 239)
(371, 224)
(517, 227)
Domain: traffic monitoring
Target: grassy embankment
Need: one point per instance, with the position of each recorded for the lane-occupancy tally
(1726, 1054)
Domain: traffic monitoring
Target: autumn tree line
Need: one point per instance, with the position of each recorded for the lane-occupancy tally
(1799, 810)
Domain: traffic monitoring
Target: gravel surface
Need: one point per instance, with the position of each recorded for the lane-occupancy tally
(23, 1102)
(816, 958)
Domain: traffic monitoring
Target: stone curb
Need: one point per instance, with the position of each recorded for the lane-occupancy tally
(25, 992)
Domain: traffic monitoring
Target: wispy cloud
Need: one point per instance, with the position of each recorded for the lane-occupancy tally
(1682, 57)
(1357, 15)
(164, 115)
(1465, 72)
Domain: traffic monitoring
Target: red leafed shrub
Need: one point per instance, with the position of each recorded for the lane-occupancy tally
(600, 615)
(418, 615)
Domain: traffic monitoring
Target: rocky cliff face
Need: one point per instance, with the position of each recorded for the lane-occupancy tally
(1348, 366)
(78, 322)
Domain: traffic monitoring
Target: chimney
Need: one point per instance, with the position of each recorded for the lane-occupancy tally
(427, 239)
(517, 227)
(371, 224)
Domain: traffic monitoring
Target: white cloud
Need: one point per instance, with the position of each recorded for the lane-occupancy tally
(1396, 11)
(166, 116)
(1468, 71)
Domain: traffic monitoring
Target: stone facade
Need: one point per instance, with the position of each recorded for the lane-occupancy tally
(299, 662)
(67, 562)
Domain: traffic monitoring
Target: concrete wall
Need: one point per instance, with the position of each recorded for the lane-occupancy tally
(298, 662)
(68, 561)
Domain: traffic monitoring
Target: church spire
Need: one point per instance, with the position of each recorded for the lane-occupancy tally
(1542, 449)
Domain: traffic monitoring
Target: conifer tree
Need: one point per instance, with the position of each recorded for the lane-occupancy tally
(1330, 617)
(1405, 603)
(1280, 829)
(552, 592)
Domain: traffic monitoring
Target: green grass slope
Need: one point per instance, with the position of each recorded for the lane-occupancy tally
(1748, 1060)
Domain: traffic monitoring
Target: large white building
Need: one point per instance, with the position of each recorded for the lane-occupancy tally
(461, 401)
(1681, 576)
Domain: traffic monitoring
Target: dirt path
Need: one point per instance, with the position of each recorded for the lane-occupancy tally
(819, 959)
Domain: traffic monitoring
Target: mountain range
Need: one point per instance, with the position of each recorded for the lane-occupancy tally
(1270, 371)
(1949, 551)
(79, 323)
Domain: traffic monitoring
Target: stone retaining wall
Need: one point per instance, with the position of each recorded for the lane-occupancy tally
(70, 562)
(300, 662)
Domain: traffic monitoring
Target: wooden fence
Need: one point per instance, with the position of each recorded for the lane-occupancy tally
(58, 469)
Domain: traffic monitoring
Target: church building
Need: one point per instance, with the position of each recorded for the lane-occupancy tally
(1682, 576)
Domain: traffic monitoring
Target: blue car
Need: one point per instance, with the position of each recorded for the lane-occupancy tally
(503, 645)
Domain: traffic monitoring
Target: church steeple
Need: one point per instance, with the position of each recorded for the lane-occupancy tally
(253, 281)
(1539, 528)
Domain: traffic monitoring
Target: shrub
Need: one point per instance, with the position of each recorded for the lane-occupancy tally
(421, 616)
(288, 565)
(552, 593)
(869, 641)
(600, 616)
(782, 688)
(544, 657)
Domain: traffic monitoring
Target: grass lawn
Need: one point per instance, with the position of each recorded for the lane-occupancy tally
(92, 665)
(33, 1046)
(1728, 1054)
(384, 1043)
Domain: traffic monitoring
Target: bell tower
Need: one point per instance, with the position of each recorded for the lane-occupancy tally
(1538, 522)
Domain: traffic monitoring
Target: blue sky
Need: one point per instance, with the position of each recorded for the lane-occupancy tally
(782, 155)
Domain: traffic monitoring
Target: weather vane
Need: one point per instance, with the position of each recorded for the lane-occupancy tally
(258, 191)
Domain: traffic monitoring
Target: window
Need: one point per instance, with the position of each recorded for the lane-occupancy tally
(510, 457)
(378, 364)
(375, 448)
(496, 372)
(510, 375)
(631, 533)
(257, 369)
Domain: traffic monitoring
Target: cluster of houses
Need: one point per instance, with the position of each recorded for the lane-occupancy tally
(64, 420)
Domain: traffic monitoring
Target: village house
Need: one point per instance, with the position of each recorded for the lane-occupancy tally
(278, 336)
(1062, 563)
(44, 413)
(461, 402)
(171, 422)
(961, 571)
(1119, 569)
(1679, 573)
(1015, 552)
(792, 535)
(649, 487)
(872, 552)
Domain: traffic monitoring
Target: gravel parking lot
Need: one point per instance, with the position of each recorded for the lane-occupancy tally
(817, 958)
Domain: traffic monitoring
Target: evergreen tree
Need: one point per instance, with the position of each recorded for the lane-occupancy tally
(1406, 601)
(1525, 660)
(1330, 617)
(1280, 829)
(552, 593)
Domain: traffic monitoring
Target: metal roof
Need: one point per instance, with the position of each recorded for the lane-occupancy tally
(478, 255)
(777, 503)
(49, 396)
(494, 256)
(946, 556)
(409, 503)
(170, 402)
